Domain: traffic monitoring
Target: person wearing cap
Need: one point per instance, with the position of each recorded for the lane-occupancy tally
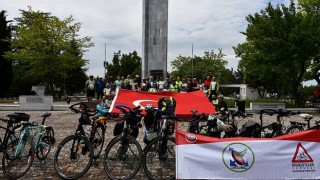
(222, 105)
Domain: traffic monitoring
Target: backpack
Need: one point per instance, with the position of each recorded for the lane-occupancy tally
(167, 104)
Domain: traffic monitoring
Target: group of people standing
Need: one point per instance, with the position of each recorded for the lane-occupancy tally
(209, 86)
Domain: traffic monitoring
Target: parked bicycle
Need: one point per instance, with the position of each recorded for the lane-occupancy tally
(299, 126)
(76, 153)
(277, 128)
(123, 154)
(19, 154)
(13, 123)
(159, 155)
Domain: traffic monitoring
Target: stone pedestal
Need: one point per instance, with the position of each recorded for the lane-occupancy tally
(35, 103)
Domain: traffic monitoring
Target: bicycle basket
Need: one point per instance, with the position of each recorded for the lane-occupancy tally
(134, 132)
(17, 117)
(167, 105)
(118, 128)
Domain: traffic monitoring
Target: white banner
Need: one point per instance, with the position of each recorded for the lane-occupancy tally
(295, 156)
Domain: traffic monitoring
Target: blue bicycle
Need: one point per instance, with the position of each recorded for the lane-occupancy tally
(19, 154)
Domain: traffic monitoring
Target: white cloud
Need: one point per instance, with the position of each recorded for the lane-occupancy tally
(208, 24)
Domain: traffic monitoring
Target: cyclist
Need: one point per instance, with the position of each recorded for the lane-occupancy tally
(102, 108)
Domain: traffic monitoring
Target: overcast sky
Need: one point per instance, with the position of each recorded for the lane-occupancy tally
(208, 24)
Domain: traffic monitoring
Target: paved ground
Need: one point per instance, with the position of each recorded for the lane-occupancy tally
(64, 123)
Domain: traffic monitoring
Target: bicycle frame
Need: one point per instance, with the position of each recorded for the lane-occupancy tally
(9, 131)
(25, 133)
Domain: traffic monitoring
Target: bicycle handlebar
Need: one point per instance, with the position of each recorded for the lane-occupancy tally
(126, 109)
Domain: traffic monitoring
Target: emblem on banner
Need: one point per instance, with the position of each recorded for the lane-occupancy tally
(191, 138)
(302, 161)
(238, 157)
(143, 102)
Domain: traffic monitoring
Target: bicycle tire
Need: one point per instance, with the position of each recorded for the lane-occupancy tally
(98, 140)
(156, 167)
(21, 164)
(74, 157)
(45, 144)
(118, 162)
(294, 129)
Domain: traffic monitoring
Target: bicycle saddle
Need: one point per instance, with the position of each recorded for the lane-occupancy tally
(306, 116)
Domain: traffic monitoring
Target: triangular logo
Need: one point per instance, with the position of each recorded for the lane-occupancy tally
(301, 155)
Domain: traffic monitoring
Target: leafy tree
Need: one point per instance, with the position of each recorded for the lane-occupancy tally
(210, 64)
(5, 64)
(124, 64)
(281, 45)
(46, 48)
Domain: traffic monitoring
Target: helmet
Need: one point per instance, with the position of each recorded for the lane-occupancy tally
(149, 107)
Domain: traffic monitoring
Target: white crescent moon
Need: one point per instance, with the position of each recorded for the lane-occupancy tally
(137, 102)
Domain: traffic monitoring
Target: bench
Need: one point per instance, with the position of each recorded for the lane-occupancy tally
(257, 106)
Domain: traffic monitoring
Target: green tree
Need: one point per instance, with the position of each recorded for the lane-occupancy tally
(281, 45)
(210, 63)
(124, 64)
(46, 48)
(5, 64)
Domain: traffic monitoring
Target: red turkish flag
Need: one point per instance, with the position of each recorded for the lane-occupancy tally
(185, 101)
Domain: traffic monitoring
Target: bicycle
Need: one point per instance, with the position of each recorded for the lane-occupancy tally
(277, 128)
(194, 124)
(123, 154)
(76, 153)
(19, 155)
(298, 126)
(159, 154)
(13, 123)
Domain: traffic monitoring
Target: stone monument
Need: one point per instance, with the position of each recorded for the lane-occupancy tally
(38, 101)
(154, 38)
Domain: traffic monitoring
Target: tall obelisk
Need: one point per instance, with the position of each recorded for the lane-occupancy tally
(154, 38)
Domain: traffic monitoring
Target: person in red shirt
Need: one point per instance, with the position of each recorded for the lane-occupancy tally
(317, 93)
(207, 83)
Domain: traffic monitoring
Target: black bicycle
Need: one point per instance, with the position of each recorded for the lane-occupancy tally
(277, 128)
(159, 158)
(123, 155)
(299, 126)
(13, 123)
(76, 153)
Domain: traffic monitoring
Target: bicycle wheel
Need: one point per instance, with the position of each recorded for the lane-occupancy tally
(294, 129)
(159, 165)
(45, 144)
(73, 157)
(97, 140)
(123, 158)
(18, 158)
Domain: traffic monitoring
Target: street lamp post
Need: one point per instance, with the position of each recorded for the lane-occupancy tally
(192, 60)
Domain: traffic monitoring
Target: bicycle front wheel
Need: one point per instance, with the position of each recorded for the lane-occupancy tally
(159, 163)
(97, 140)
(123, 158)
(294, 129)
(73, 157)
(18, 158)
(45, 144)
